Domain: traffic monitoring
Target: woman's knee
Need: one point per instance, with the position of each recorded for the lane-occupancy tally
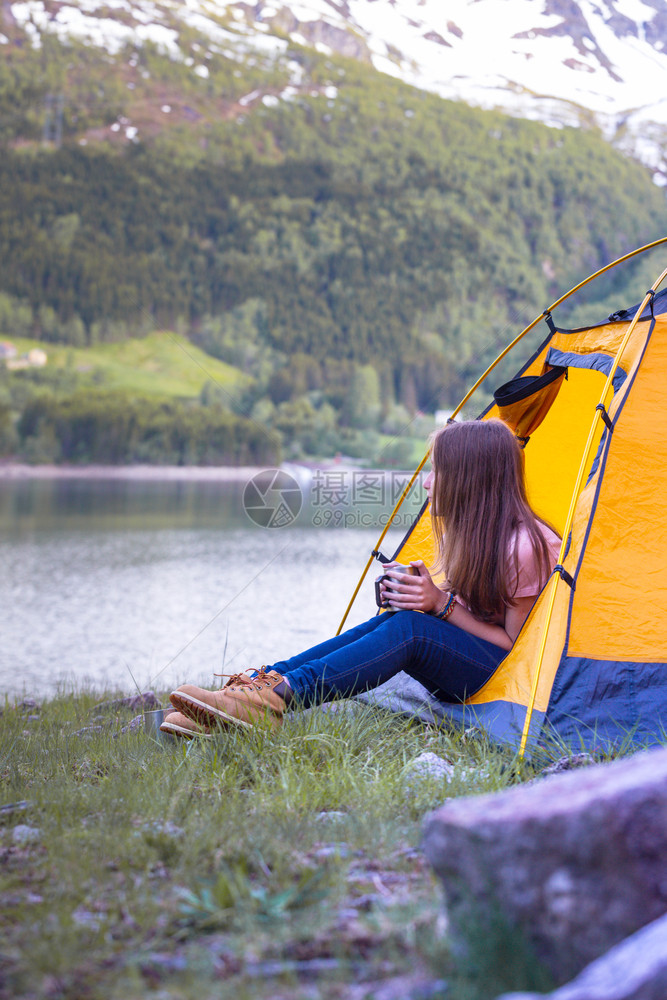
(404, 623)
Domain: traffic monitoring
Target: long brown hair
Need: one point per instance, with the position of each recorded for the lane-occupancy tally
(479, 503)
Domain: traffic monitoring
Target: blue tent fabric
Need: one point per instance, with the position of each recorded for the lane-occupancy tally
(603, 705)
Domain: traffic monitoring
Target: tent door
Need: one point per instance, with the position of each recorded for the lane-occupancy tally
(524, 402)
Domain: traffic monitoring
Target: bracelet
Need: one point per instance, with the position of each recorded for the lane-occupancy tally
(447, 610)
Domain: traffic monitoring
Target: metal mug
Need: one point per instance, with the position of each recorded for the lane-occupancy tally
(152, 723)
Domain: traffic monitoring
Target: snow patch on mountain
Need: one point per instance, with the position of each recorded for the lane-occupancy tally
(102, 32)
(550, 60)
(605, 56)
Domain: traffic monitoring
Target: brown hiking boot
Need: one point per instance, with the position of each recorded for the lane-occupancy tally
(243, 701)
(178, 724)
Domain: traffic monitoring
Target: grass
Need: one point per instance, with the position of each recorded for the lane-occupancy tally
(261, 864)
(160, 364)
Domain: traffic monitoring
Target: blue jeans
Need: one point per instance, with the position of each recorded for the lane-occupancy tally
(451, 663)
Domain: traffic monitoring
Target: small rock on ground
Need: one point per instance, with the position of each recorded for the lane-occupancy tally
(332, 815)
(23, 834)
(568, 764)
(10, 807)
(162, 828)
(146, 702)
(27, 705)
(428, 766)
(135, 725)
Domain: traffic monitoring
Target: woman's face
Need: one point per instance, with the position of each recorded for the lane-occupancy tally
(428, 485)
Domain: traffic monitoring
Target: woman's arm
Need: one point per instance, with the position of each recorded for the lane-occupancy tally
(499, 635)
(418, 592)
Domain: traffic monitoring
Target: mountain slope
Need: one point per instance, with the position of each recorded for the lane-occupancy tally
(558, 61)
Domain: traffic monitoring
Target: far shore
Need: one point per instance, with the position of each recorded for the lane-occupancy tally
(157, 473)
(211, 473)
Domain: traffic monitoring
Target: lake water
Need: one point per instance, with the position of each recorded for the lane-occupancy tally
(121, 583)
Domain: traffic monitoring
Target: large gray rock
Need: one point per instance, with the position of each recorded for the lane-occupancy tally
(636, 969)
(578, 862)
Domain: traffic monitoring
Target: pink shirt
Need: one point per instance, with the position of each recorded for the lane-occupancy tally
(527, 582)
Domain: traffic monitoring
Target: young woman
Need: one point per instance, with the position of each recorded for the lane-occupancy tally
(495, 555)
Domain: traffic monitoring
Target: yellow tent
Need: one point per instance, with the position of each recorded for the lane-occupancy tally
(590, 664)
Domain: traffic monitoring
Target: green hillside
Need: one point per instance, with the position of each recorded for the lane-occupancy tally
(160, 364)
(359, 259)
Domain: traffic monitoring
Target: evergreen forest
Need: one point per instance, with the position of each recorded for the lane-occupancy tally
(355, 262)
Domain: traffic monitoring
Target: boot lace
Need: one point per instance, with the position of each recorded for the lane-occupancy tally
(260, 680)
(241, 678)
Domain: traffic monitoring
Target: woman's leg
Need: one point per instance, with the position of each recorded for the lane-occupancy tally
(329, 645)
(449, 662)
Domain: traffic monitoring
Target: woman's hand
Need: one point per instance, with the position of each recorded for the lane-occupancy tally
(414, 591)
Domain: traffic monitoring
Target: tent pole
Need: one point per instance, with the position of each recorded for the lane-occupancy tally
(468, 396)
(549, 309)
(583, 467)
